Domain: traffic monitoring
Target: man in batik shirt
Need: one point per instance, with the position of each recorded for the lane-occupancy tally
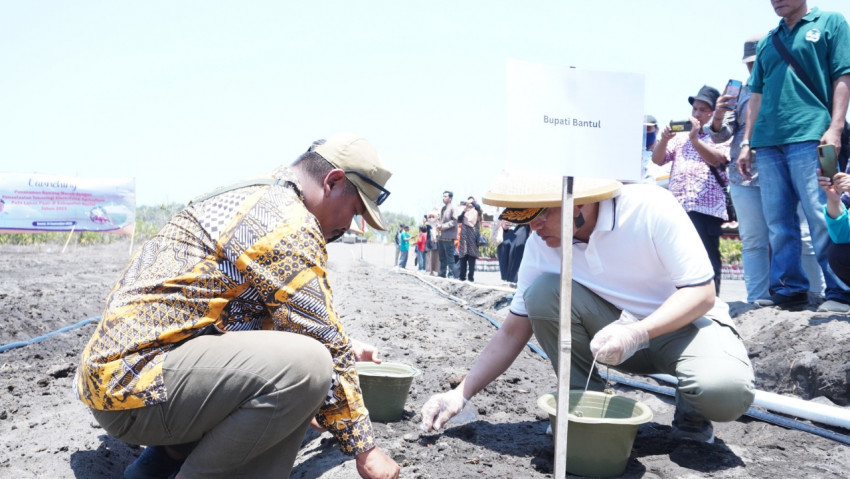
(220, 343)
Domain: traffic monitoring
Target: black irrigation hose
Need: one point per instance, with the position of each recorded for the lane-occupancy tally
(492, 321)
(752, 412)
(19, 344)
(669, 391)
(531, 345)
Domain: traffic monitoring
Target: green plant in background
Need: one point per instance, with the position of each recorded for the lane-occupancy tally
(730, 251)
(488, 251)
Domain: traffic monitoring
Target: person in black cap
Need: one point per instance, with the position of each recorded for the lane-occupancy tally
(697, 175)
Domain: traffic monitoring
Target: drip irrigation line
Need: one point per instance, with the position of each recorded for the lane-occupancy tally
(19, 344)
(751, 412)
(463, 303)
(666, 390)
(531, 345)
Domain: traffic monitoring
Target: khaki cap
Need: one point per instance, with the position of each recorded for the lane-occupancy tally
(363, 167)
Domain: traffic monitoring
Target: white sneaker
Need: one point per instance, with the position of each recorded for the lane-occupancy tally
(832, 306)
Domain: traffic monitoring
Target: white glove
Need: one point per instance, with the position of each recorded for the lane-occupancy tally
(620, 340)
(440, 408)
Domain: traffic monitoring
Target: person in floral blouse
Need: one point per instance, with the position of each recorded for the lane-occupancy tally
(698, 172)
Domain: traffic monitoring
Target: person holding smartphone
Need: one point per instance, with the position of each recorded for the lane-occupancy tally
(729, 121)
(837, 223)
(786, 121)
(693, 155)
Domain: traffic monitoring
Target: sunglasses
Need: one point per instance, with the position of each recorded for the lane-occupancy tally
(383, 193)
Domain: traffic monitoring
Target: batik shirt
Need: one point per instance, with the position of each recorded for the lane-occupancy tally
(691, 180)
(247, 259)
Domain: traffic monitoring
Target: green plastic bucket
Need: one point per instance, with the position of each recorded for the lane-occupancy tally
(385, 387)
(599, 442)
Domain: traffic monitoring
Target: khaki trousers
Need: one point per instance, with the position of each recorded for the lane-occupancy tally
(245, 398)
(707, 356)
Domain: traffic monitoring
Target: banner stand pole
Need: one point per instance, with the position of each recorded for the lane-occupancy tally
(132, 239)
(69, 238)
(564, 333)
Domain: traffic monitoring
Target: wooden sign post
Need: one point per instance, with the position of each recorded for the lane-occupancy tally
(565, 341)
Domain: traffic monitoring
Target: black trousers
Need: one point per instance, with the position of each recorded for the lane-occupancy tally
(467, 263)
(839, 261)
(709, 230)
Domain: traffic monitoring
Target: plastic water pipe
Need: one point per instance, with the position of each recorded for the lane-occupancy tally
(822, 413)
(752, 412)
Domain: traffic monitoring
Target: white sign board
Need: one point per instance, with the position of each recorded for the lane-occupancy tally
(574, 122)
(43, 203)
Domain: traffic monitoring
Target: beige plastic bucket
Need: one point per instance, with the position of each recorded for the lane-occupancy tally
(385, 387)
(600, 441)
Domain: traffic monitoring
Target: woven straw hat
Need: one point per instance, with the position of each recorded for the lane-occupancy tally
(525, 194)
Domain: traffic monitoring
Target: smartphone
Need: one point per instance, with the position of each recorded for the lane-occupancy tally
(678, 126)
(828, 160)
(733, 88)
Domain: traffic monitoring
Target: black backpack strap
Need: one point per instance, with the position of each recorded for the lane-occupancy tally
(716, 176)
(804, 77)
(795, 67)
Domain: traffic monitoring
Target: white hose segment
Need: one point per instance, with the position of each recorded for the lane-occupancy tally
(822, 413)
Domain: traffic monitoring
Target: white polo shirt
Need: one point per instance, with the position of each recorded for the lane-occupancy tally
(642, 249)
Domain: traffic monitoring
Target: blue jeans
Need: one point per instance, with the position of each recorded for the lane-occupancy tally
(402, 258)
(447, 259)
(787, 174)
(755, 251)
(420, 258)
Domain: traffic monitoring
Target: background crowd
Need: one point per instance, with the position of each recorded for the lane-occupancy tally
(757, 146)
(450, 239)
(747, 157)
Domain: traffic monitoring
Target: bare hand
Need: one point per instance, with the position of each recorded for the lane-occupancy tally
(744, 165)
(841, 182)
(374, 464)
(832, 137)
(695, 127)
(667, 133)
(725, 103)
(364, 352)
(318, 427)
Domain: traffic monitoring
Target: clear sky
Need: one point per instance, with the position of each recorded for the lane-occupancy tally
(185, 96)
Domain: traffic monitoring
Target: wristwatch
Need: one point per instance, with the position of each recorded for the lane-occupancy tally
(744, 143)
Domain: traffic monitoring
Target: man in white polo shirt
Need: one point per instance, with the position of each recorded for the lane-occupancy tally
(643, 300)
